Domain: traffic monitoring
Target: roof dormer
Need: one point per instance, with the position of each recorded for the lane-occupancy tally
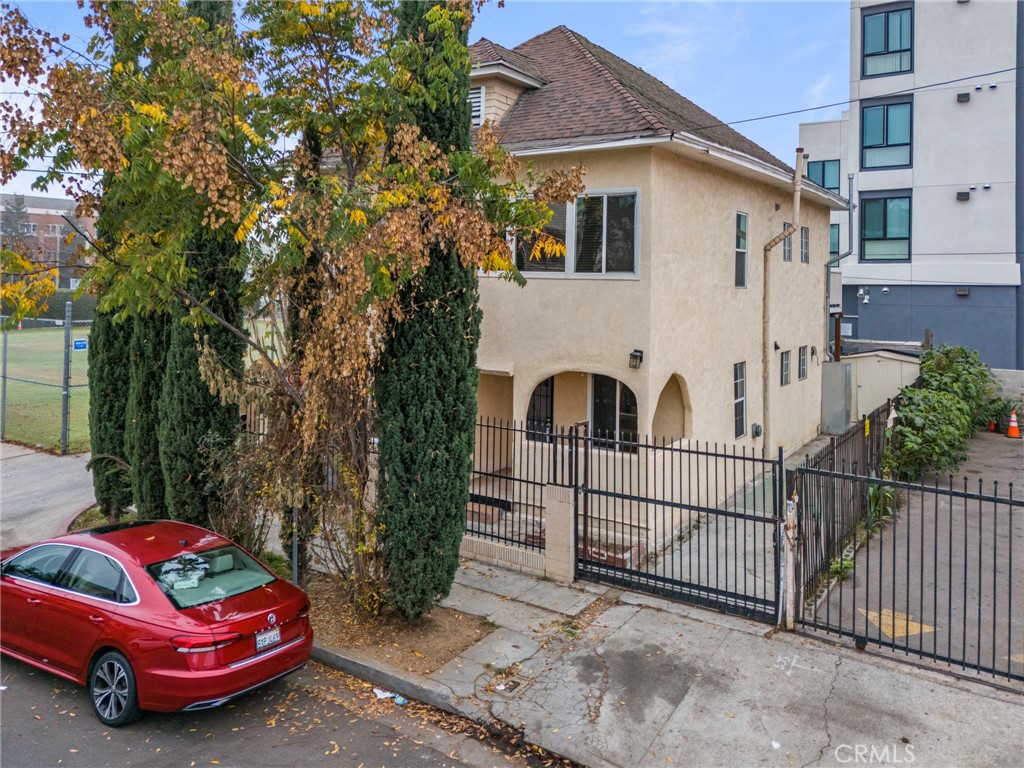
(497, 80)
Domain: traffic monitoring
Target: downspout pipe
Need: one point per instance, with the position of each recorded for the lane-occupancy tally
(766, 351)
(832, 262)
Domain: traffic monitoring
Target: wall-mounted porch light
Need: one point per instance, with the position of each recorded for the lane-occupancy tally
(635, 358)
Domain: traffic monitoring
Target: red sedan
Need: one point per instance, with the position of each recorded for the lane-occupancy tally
(153, 615)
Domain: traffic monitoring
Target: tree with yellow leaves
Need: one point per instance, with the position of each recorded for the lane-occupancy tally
(292, 133)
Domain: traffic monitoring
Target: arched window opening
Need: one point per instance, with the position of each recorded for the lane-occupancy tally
(541, 413)
(613, 414)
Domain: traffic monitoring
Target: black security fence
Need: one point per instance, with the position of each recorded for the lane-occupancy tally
(932, 572)
(697, 522)
(834, 510)
(694, 521)
(512, 463)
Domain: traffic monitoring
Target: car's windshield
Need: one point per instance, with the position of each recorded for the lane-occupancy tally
(196, 578)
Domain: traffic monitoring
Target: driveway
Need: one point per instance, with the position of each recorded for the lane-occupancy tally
(942, 580)
(40, 493)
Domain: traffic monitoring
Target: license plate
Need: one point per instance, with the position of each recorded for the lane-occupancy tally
(268, 638)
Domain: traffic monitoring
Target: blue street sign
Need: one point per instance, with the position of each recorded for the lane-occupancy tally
(80, 344)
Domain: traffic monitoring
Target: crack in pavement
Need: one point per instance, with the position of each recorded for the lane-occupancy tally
(828, 729)
(594, 711)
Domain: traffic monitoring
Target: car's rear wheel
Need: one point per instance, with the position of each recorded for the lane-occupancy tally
(112, 689)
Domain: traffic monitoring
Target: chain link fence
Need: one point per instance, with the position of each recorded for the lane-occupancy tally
(44, 383)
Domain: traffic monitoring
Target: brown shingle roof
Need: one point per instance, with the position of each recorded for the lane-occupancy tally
(593, 94)
(484, 52)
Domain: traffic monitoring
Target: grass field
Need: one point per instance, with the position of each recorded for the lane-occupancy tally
(33, 410)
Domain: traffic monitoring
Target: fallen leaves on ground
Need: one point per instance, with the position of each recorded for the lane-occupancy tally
(421, 647)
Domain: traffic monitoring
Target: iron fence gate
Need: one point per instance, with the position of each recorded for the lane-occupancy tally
(926, 571)
(695, 522)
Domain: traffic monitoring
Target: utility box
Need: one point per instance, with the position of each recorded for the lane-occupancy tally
(836, 397)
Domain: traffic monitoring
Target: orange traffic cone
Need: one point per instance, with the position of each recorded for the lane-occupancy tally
(1014, 430)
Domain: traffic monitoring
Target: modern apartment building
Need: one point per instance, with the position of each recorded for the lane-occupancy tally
(934, 142)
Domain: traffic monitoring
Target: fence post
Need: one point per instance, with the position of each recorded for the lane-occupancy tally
(3, 392)
(65, 410)
(574, 479)
(790, 538)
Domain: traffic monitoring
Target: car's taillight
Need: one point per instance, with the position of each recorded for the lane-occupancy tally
(304, 612)
(203, 643)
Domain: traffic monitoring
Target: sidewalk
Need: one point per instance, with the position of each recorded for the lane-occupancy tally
(40, 493)
(611, 678)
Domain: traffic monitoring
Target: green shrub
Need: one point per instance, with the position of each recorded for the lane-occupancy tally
(960, 372)
(937, 418)
(840, 567)
(931, 432)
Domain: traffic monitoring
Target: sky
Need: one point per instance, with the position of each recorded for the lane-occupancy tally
(738, 60)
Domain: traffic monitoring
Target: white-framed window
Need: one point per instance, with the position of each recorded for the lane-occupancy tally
(741, 250)
(53, 229)
(787, 244)
(801, 362)
(476, 106)
(613, 414)
(739, 398)
(28, 228)
(73, 283)
(805, 245)
(51, 255)
(556, 228)
(784, 369)
(606, 230)
(601, 233)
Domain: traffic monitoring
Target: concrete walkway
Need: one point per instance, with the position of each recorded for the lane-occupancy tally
(609, 678)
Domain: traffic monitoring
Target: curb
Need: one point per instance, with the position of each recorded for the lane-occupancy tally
(416, 687)
(408, 684)
(66, 525)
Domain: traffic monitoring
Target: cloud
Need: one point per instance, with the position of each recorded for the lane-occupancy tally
(675, 41)
(816, 94)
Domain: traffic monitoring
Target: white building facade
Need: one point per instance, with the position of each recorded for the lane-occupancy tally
(934, 140)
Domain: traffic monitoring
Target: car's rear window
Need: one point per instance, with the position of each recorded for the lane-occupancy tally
(196, 578)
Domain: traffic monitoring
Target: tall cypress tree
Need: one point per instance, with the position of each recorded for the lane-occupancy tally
(110, 371)
(147, 352)
(426, 385)
(108, 397)
(192, 420)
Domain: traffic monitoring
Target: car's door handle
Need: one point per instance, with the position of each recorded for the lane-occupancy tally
(34, 600)
(96, 619)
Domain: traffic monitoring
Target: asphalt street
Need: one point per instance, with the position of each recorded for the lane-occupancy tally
(312, 718)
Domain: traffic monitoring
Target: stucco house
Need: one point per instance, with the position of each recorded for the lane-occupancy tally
(668, 317)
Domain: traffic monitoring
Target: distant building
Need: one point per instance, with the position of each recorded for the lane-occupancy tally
(934, 141)
(42, 229)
